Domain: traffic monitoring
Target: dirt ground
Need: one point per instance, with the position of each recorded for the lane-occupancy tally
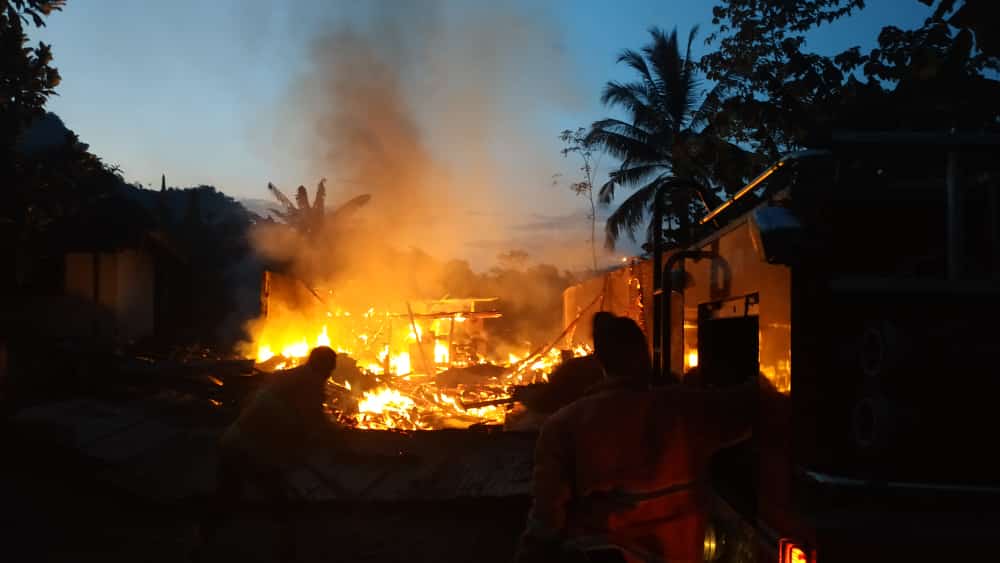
(51, 511)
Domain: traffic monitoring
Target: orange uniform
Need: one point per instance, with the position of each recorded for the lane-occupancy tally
(626, 467)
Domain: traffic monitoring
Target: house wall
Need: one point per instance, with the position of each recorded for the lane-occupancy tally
(134, 292)
(738, 271)
(80, 275)
(107, 284)
(123, 284)
(626, 292)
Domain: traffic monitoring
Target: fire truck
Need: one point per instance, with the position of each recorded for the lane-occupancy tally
(861, 280)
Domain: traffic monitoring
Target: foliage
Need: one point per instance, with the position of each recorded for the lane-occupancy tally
(27, 77)
(767, 85)
(55, 178)
(775, 97)
(307, 218)
(977, 16)
(940, 72)
(219, 288)
(577, 142)
(671, 154)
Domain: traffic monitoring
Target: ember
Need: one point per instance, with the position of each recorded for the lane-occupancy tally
(412, 370)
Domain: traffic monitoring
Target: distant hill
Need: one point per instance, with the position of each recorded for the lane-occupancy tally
(173, 206)
(261, 207)
(46, 133)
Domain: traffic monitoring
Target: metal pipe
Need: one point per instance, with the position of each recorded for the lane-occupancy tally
(746, 189)
(695, 255)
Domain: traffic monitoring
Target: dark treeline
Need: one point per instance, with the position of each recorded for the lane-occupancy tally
(696, 130)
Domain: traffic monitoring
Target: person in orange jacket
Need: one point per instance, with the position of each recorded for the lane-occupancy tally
(270, 438)
(620, 473)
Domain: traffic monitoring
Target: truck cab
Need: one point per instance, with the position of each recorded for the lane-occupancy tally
(862, 282)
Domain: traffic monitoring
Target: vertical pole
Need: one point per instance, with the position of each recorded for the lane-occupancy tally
(428, 368)
(955, 227)
(265, 293)
(451, 335)
(658, 301)
(388, 350)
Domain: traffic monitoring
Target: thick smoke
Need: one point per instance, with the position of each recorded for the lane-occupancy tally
(433, 109)
(428, 114)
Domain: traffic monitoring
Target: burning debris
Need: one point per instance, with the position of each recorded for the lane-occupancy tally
(408, 362)
(413, 370)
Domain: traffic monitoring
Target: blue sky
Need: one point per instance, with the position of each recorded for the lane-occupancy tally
(203, 91)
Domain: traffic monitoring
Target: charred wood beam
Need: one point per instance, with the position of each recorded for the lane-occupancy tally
(452, 315)
(420, 341)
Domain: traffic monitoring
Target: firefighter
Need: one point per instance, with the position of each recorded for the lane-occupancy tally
(620, 474)
(270, 438)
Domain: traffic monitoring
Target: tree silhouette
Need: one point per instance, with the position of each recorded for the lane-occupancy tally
(27, 78)
(307, 218)
(577, 142)
(775, 97)
(670, 153)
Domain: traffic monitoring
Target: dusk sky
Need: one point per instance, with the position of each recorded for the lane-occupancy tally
(208, 92)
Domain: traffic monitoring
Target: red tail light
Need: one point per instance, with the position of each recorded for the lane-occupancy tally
(789, 552)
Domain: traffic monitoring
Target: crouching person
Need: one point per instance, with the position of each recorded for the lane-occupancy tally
(620, 474)
(270, 439)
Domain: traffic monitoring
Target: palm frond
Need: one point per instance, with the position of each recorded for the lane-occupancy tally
(302, 198)
(280, 214)
(319, 201)
(638, 63)
(711, 105)
(674, 78)
(634, 98)
(627, 147)
(280, 196)
(631, 175)
(618, 126)
(635, 60)
(606, 194)
(629, 215)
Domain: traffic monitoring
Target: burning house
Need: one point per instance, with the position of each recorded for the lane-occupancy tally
(412, 365)
(413, 356)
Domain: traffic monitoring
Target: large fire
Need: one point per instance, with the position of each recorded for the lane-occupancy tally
(415, 370)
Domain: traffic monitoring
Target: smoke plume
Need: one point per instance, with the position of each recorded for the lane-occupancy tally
(434, 113)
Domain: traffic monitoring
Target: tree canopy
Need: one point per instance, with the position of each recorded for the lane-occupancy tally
(27, 77)
(771, 95)
(776, 96)
(671, 154)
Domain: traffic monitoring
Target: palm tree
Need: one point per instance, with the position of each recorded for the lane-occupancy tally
(670, 154)
(309, 218)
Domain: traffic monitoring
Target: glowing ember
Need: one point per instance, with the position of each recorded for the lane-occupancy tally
(386, 408)
(400, 364)
(394, 392)
(440, 352)
(264, 353)
(692, 359)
